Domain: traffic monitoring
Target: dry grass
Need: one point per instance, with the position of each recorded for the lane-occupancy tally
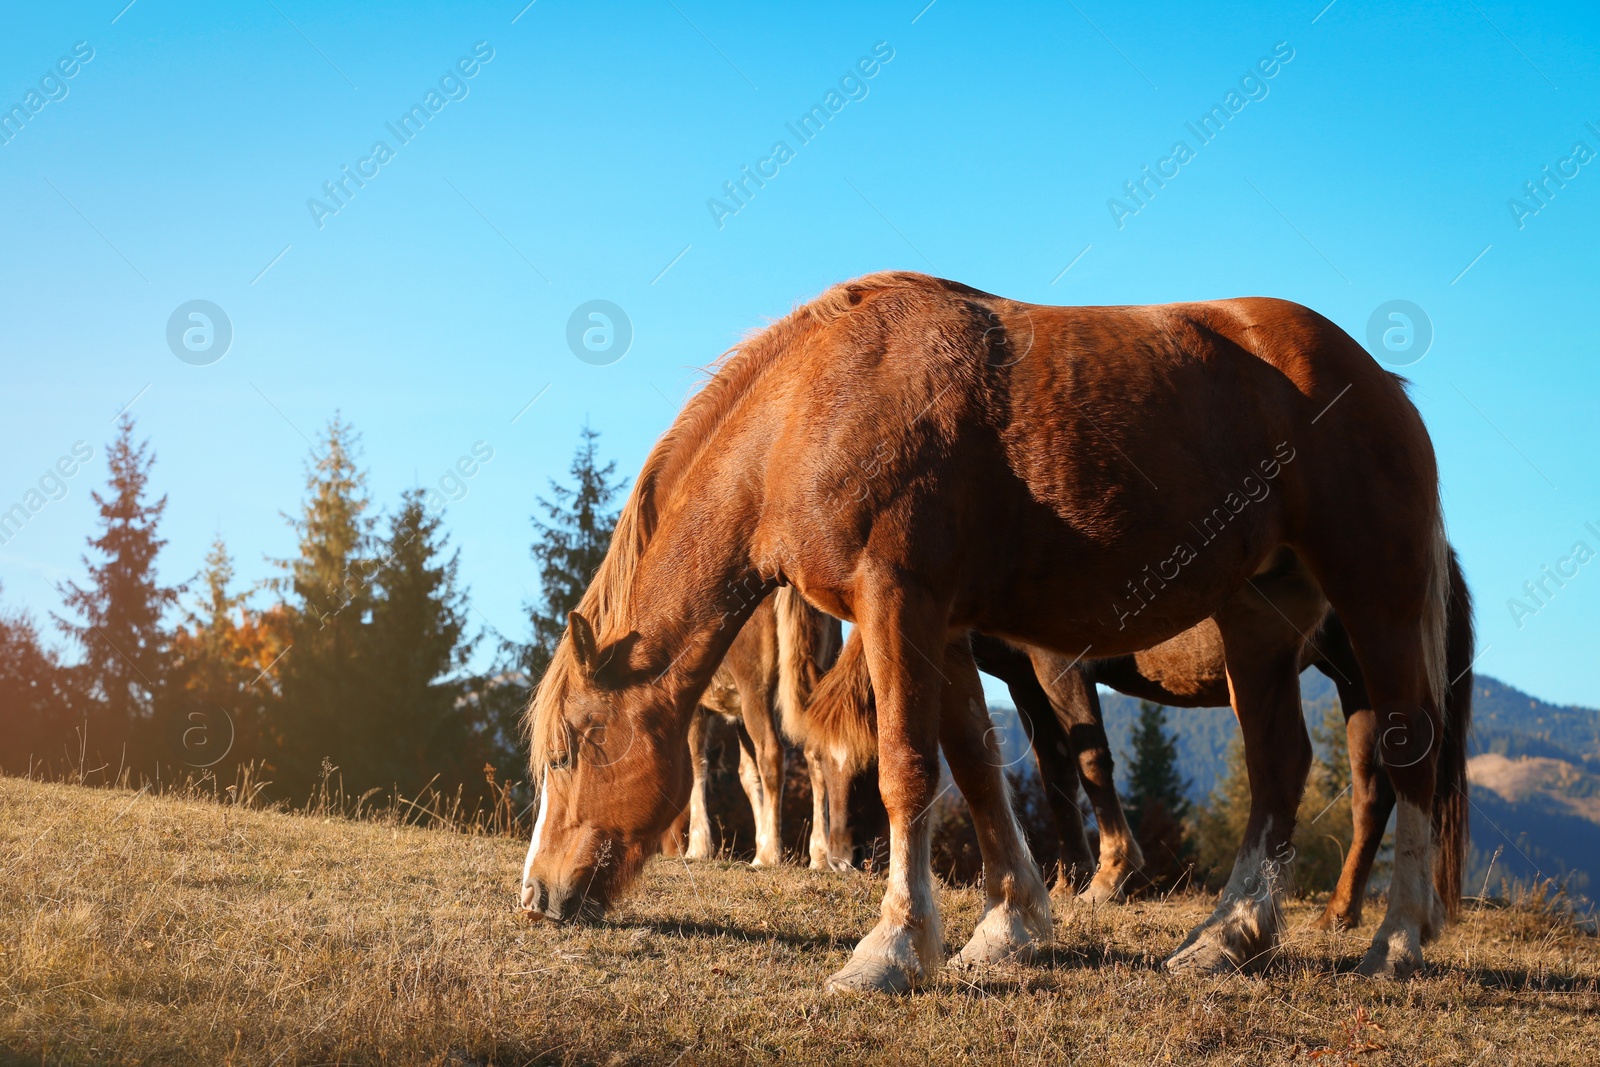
(154, 930)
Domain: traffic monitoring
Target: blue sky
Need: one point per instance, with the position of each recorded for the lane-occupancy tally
(1378, 162)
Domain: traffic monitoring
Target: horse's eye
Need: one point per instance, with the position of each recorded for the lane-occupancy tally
(561, 762)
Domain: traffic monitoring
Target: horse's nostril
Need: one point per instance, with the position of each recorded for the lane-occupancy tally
(534, 897)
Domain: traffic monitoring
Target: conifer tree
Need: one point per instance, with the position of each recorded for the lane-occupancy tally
(1157, 804)
(119, 613)
(573, 539)
(419, 725)
(328, 600)
(573, 536)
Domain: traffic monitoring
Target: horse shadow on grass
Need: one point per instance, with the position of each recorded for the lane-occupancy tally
(691, 928)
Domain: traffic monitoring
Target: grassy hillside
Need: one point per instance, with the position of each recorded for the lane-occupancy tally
(151, 930)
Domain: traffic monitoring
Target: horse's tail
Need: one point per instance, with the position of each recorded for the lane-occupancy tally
(808, 644)
(1450, 803)
(841, 719)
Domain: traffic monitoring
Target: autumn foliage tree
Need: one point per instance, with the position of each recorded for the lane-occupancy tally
(38, 709)
(218, 694)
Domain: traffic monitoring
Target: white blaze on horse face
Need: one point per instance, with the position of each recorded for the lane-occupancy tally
(538, 832)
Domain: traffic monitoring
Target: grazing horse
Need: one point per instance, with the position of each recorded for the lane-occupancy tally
(764, 685)
(1059, 708)
(925, 459)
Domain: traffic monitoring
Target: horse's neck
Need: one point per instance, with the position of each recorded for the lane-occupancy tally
(692, 594)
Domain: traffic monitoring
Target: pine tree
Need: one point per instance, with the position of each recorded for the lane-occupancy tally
(418, 723)
(1157, 804)
(120, 630)
(573, 537)
(328, 600)
(573, 540)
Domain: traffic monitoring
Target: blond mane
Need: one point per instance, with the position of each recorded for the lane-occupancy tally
(607, 603)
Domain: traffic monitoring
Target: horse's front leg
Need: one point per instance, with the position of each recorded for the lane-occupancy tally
(1016, 916)
(904, 642)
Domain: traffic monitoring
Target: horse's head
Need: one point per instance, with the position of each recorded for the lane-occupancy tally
(610, 753)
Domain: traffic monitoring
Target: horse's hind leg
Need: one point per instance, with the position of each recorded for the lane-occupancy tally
(818, 844)
(1371, 795)
(1077, 709)
(699, 819)
(1393, 605)
(1058, 774)
(1058, 768)
(1263, 659)
(1407, 730)
(1016, 917)
(831, 844)
(1371, 804)
(762, 761)
(831, 848)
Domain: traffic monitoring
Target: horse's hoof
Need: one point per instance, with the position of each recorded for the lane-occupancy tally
(1007, 934)
(1334, 921)
(869, 975)
(1397, 956)
(841, 866)
(1204, 956)
(1102, 893)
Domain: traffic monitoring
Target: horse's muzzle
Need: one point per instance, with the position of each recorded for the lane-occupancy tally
(560, 905)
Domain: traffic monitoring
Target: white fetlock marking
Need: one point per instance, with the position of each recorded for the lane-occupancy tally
(1016, 921)
(818, 845)
(1397, 945)
(907, 938)
(1246, 920)
(699, 821)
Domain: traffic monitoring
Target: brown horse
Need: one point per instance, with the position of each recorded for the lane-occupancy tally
(925, 459)
(764, 685)
(1059, 708)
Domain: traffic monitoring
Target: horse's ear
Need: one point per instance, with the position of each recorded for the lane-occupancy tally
(614, 666)
(584, 645)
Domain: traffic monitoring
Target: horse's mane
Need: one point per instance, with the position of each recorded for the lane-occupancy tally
(609, 596)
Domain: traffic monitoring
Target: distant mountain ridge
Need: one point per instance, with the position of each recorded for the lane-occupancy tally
(1535, 774)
